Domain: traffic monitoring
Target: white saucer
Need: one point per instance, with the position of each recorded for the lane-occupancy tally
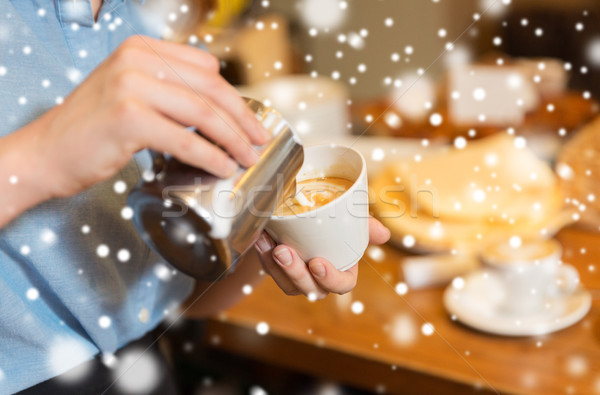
(475, 301)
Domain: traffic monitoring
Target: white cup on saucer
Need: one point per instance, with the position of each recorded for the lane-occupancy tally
(531, 273)
(339, 230)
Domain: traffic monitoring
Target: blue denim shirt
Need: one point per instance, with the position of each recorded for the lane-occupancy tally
(67, 291)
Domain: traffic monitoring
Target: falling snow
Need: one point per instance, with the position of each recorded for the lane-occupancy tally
(123, 255)
(401, 288)
(65, 354)
(322, 19)
(162, 272)
(357, 307)
(127, 213)
(427, 329)
(247, 289)
(435, 119)
(262, 328)
(104, 322)
(408, 241)
(25, 250)
(460, 142)
(48, 236)
(256, 390)
(102, 250)
(134, 365)
(120, 187)
(32, 294)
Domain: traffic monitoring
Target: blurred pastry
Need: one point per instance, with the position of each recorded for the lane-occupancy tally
(461, 198)
(578, 169)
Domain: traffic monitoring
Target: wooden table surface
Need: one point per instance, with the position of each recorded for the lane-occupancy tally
(383, 349)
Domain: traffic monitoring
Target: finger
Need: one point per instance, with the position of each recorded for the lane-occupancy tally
(182, 52)
(297, 271)
(265, 246)
(151, 130)
(188, 109)
(332, 280)
(216, 89)
(204, 82)
(378, 233)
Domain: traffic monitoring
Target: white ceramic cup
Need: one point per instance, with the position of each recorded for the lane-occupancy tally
(339, 230)
(531, 272)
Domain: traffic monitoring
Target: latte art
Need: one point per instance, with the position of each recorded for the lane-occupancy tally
(314, 193)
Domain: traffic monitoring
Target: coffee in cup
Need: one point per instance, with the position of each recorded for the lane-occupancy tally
(314, 193)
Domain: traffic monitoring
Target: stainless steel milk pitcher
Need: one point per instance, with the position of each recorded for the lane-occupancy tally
(202, 224)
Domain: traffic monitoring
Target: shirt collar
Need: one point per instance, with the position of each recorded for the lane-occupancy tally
(80, 11)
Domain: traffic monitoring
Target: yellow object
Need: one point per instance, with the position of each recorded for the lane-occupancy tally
(226, 11)
(461, 199)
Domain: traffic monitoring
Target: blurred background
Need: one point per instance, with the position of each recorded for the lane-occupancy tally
(403, 81)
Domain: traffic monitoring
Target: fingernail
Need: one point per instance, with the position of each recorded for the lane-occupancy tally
(283, 256)
(262, 244)
(317, 269)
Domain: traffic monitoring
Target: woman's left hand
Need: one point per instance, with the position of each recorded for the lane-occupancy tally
(317, 278)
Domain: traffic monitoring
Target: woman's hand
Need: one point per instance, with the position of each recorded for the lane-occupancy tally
(144, 96)
(317, 278)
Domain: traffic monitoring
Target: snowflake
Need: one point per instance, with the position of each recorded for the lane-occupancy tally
(48, 236)
(427, 329)
(256, 390)
(247, 289)
(515, 242)
(401, 288)
(377, 154)
(32, 294)
(408, 241)
(138, 372)
(375, 253)
(127, 213)
(262, 328)
(65, 354)
(458, 283)
(25, 250)
(104, 322)
(460, 142)
(435, 119)
(120, 187)
(123, 255)
(102, 250)
(357, 307)
(322, 14)
(162, 272)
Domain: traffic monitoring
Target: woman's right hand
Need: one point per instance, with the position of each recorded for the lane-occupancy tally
(144, 96)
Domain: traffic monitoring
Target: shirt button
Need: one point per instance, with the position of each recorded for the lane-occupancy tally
(144, 315)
